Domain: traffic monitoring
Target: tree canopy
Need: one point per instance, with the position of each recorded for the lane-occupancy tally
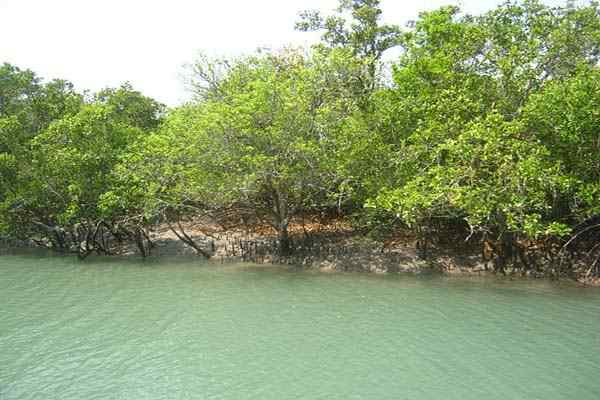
(490, 124)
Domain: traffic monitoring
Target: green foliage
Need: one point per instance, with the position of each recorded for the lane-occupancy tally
(58, 153)
(363, 35)
(27, 107)
(74, 158)
(492, 175)
(565, 116)
(265, 138)
(131, 107)
(493, 119)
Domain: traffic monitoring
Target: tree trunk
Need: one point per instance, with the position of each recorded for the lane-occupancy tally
(281, 220)
(185, 238)
(285, 248)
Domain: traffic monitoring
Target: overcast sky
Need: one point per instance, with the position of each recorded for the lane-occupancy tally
(99, 43)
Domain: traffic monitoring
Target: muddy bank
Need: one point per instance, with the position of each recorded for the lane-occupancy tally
(8, 243)
(335, 249)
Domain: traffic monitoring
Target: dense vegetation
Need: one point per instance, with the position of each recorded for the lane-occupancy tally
(486, 127)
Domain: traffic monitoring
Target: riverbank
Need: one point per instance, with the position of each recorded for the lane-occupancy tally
(330, 247)
(326, 247)
(334, 246)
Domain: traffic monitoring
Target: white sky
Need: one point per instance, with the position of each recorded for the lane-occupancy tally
(99, 43)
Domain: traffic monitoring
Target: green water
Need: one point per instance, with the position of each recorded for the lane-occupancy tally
(122, 329)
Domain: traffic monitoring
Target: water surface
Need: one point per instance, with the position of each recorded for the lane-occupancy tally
(181, 329)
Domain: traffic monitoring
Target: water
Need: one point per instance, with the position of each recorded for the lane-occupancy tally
(180, 329)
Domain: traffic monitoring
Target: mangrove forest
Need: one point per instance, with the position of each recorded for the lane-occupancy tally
(481, 133)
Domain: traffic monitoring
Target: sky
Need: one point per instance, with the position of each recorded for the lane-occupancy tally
(103, 43)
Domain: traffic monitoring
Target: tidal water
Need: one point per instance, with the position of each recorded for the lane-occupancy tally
(182, 329)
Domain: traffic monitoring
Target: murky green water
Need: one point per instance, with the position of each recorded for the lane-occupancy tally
(114, 329)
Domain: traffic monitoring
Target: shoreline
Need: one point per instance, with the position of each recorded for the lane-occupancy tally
(329, 253)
